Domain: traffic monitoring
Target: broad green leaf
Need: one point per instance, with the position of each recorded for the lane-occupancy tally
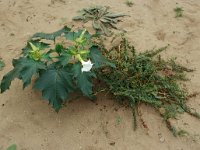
(30, 68)
(12, 147)
(71, 36)
(76, 69)
(98, 59)
(36, 43)
(64, 58)
(51, 36)
(74, 35)
(55, 84)
(83, 80)
(24, 69)
(7, 79)
(84, 83)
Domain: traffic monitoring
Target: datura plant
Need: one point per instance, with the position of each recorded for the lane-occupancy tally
(58, 71)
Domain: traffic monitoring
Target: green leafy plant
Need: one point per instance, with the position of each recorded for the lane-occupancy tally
(2, 64)
(101, 18)
(129, 3)
(12, 147)
(179, 12)
(67, 67)
(146, 78)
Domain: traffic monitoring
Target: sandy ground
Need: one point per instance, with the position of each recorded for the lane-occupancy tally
(27, 120)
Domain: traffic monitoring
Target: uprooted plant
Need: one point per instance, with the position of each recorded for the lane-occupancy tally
(102, 19)
(146, 78)
(67, 67)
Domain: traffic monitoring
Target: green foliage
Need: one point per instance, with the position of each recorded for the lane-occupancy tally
(55, 85)
(101, 18)
(51, 36)
(179, 12)
(83, 80)
(24, 69)
(146, 78)
(36, 43)
(12, 147)
(98, 59)
(2, 64)
(59, 71)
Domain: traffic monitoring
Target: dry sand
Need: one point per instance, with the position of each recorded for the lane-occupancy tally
(27, 120)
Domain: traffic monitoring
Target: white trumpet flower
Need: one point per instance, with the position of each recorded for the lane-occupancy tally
(87, 66)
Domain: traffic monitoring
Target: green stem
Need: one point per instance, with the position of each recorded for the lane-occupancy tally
(78, 56)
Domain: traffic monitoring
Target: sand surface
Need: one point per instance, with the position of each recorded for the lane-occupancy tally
(27, 120)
